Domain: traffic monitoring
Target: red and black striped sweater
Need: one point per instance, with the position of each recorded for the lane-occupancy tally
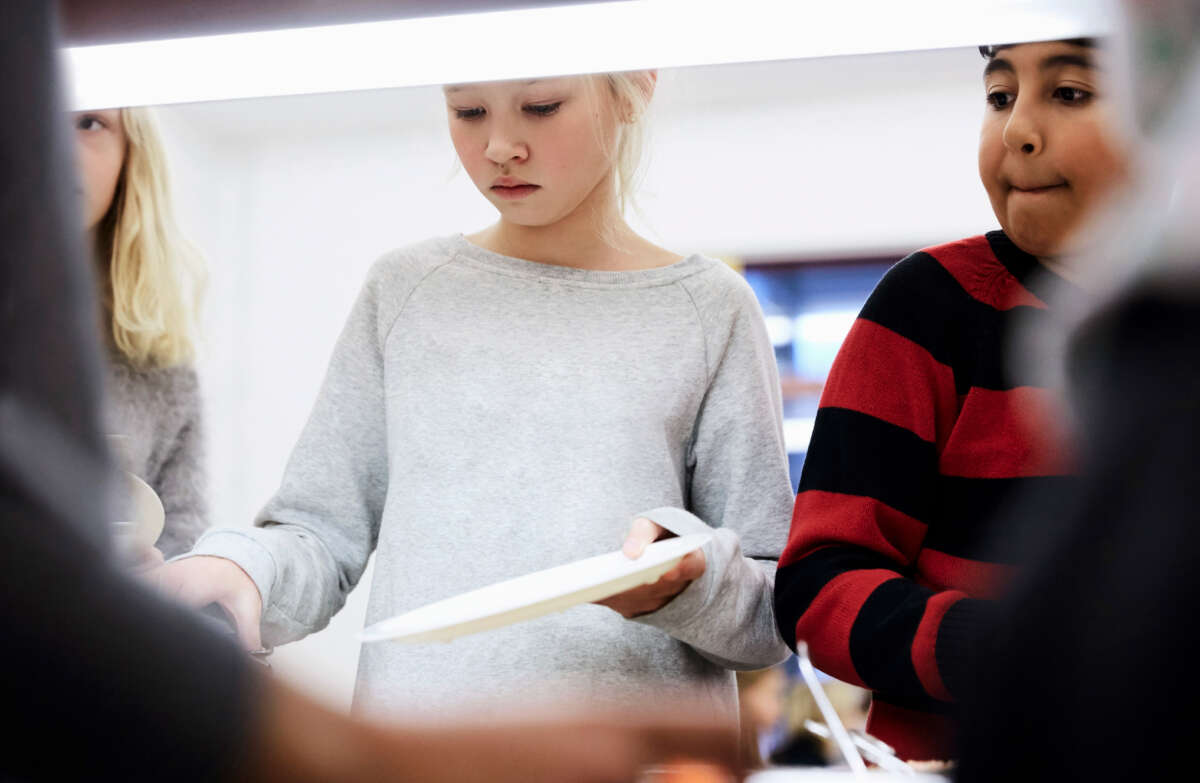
(924, 429)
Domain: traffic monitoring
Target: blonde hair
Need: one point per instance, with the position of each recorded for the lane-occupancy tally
(153, 278)
(631, 92)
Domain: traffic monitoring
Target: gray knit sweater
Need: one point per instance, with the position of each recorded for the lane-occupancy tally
(484, 417)
(158, 410)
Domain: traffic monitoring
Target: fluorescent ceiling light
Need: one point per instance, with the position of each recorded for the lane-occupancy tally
(544, 41)
(829, 327)
(797, 433)
(779, 330)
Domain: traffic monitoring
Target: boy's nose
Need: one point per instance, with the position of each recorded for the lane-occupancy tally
(1022, 132)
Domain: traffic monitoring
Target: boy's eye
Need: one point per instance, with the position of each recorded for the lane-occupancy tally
(999, 99)
(543, 109)
(1072, 95)
(469, 114)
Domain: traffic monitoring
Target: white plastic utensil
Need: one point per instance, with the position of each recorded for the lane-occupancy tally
(832, 720)
(142, 516)
(876, 751)
(534, 595)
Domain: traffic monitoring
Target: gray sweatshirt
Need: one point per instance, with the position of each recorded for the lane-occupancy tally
(158, 411)
(484, 417)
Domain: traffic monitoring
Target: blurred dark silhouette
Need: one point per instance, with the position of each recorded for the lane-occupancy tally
(1089, 673)
(89, 668)
(1090, 676)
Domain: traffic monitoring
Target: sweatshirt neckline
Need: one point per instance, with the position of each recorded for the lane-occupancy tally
(1041, 280)
(521, 267)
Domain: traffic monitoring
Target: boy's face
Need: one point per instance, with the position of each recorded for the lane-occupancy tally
(1046, 156)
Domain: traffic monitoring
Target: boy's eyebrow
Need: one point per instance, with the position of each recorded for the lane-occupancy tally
(1063, 60)
(997, 64)
(1049, 63)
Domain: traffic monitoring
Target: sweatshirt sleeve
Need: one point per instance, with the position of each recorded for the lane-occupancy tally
(865, 500)
(739, 486)
(181, 480)
(310, 544)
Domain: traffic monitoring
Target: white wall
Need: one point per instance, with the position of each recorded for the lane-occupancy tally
(292, 199)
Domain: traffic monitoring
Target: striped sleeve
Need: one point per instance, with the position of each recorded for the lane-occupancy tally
(866, 498)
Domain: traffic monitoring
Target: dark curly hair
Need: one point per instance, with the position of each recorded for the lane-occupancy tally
(991, 50)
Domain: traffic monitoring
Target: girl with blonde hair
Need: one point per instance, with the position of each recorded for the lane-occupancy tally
(534, 393)
(150, 284)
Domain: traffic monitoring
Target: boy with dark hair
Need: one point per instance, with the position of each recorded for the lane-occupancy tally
(925, 425)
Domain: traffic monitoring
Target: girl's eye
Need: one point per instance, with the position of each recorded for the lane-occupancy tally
(89, 123)
(999, 99)
(543, 109)
(1072, 95)
(468, 114)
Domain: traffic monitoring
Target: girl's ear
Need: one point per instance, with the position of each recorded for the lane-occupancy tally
(648, 82)
(632, 108)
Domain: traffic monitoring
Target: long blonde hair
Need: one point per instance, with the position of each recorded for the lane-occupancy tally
(153, 278)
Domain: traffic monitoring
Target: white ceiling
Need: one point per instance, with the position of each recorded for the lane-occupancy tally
(683, 89)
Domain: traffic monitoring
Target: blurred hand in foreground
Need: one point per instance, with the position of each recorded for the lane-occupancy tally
(302, 741)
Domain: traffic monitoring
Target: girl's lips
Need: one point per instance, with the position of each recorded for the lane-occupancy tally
(514, 192)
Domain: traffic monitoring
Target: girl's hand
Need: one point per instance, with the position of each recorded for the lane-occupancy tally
(656, 595)
(146, 560)
(203, 580)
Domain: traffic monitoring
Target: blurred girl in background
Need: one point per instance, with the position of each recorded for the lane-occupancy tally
(150, 284)
(762, 698)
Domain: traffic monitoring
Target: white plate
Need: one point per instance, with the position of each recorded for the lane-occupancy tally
(142, 515)
(534, 595)
(839, 775)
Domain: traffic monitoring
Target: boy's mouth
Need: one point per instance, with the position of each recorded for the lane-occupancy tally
(1032, 188)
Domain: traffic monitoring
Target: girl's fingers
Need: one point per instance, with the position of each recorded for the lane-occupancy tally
(641, 533)
(246, 618)
(692, 566)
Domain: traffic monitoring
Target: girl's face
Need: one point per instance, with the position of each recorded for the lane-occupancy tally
(763, 702)
(1046, 156)
(100, 148)
(536, 149)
